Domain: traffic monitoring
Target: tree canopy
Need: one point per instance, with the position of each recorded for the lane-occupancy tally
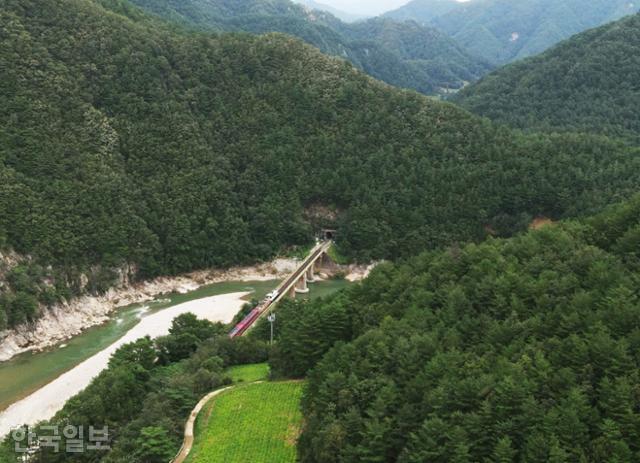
(513, 350)
(146, 394)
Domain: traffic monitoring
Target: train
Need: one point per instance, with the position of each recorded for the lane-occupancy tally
(246, 322)
(250, 319)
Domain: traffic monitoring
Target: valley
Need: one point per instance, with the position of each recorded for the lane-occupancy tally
(34, 386)
(463, 178)
(406, 55)
(503, 31)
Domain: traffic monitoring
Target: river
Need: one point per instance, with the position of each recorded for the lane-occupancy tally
(31, 372)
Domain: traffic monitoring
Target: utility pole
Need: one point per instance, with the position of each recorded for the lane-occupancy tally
(272, 319)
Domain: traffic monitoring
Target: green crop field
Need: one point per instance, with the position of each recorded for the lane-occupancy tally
(257, 422)
(249, 373)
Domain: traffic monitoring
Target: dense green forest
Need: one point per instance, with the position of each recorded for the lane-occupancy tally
(513, 350)
(131, 149)
(502, 31)
(588, 83)
(405, 55)
(516, 350)
(426, 51)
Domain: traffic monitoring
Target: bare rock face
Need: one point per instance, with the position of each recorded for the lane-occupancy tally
(84, 281)
(360, 272)
(55, 325)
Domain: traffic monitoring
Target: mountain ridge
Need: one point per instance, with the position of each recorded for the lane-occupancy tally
(423, 11)
(341, 15)
(585, 83)
(449, 67)
(503, 31)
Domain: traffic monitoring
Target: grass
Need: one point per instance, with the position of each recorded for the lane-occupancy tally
(336, 256)
(257, 422)
(249, 373)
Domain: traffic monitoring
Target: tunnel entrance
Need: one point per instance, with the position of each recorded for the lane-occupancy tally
(328, 234)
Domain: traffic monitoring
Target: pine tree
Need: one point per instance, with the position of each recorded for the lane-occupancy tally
(503, 451)
(154, 445)
(558, 455)
(610, 446)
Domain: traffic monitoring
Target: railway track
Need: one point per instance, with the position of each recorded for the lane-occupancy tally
(281, 291)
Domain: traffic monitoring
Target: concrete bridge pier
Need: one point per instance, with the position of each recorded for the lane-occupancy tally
(311, 274)
(325, 263)
(301, 285)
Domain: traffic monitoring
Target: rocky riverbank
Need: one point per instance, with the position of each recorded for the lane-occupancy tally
(64, 321)
(69, 319)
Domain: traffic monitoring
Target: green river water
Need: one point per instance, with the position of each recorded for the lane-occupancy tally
(26, 373)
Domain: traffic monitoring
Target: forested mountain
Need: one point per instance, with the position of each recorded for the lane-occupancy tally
(434, 64)
(214, 13)
(429, 54)
(127, 146)
(502, 31)
(588, 83)
(423, 11)
(516, 350)
(341, 15)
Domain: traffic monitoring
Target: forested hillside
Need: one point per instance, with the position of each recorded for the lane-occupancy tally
(588, 83)
(342, 15)
(428, 53)
(518, 350)
(128, 148)
(423, 11)
(434, 64)
(502, 31)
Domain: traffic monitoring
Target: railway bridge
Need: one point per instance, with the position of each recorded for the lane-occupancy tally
(297, 282)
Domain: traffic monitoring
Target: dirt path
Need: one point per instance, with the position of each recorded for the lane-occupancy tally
(187, 444)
